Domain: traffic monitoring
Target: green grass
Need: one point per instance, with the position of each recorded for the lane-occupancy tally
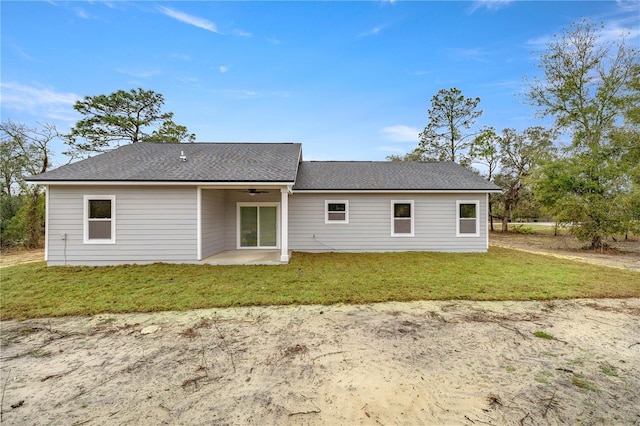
(543, 335)
(34, 290)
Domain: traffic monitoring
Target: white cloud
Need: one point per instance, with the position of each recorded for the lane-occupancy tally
(488, 4)
(612, 32)
(38, 101)
(241, 33)
(189, 19)
(474, 54)
(188, 79)
(373, 31)
(81, 13)
(616, 30)
(401, 133)
(223, 69)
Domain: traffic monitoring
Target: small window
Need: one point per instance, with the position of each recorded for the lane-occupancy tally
(99, 213)
(467, 219)
(402, 224)
(336, 212)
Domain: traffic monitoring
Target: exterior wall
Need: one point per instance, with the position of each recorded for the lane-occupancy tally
(212, 221)
(369, 227)
(153, 224)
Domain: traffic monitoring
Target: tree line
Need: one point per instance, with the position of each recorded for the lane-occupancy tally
(108, 121)
(583, 170)
(590, 89)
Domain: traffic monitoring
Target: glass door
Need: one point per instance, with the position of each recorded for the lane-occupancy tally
(258, 226)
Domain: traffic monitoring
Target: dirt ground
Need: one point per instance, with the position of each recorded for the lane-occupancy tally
(452, 363)
(16, 257)
(623, 254)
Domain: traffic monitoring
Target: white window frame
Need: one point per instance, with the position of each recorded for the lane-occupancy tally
(477, 219)
(326, 211)
(239, 224)
(393, 218)
(86, 219)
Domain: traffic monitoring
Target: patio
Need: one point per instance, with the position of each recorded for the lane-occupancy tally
(245, 257)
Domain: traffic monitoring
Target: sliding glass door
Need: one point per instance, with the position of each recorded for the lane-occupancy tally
(258, 225)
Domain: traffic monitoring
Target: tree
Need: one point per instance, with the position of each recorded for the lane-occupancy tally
(485, 150)
(122, 117)
(587, 88)
(416, 155)
(520, 153)
(25, 152)
(444, 137)
(170, 133)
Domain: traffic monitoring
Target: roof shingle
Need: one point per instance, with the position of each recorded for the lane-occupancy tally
(206, 162)
(387, 175)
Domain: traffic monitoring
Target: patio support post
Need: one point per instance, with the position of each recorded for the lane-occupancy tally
(284, 225)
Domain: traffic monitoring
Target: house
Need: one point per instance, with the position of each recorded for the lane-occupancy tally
(191, 203)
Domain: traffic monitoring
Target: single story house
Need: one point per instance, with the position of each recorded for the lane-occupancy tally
(188, 203)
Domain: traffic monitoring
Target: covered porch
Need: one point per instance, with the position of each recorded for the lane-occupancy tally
(243, 224)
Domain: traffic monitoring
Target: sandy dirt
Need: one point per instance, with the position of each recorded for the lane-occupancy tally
(623, 254)
(17, 257)
(452, 363)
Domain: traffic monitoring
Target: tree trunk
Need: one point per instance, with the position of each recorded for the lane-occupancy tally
(505, 221)
(597, 243)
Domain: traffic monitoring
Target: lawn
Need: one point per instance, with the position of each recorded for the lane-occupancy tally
(34, 290)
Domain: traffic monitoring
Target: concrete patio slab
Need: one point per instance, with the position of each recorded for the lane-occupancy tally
(245, 257)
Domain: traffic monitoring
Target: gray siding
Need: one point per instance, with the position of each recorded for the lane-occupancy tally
(212, 221)
(369, 227)
(153, 224)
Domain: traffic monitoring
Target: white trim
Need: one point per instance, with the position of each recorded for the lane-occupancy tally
(393, 218)
(85, 219)
(486, 222)
(46, 223)
(238, 223)
(199, 223)
(326, 212)
(477, 219)
(284, 227)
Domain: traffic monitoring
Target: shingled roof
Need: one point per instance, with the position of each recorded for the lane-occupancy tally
(263, 162)
(205, 162)
(388, 176)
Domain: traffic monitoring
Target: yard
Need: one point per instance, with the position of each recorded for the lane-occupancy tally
(33, 290)
(73, 352)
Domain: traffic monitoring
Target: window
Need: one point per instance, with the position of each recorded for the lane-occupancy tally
(336, 212)
(402, 224)
(467, 219)
(100, 219)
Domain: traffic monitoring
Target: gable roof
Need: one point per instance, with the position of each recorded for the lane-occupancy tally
(388, 176)
(206, 162)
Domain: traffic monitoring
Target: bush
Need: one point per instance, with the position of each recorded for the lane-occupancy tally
(521, 229)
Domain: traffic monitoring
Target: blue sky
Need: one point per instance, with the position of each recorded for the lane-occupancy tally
(349, 80)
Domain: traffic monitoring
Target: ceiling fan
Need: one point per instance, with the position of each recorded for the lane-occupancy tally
(252, 192)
